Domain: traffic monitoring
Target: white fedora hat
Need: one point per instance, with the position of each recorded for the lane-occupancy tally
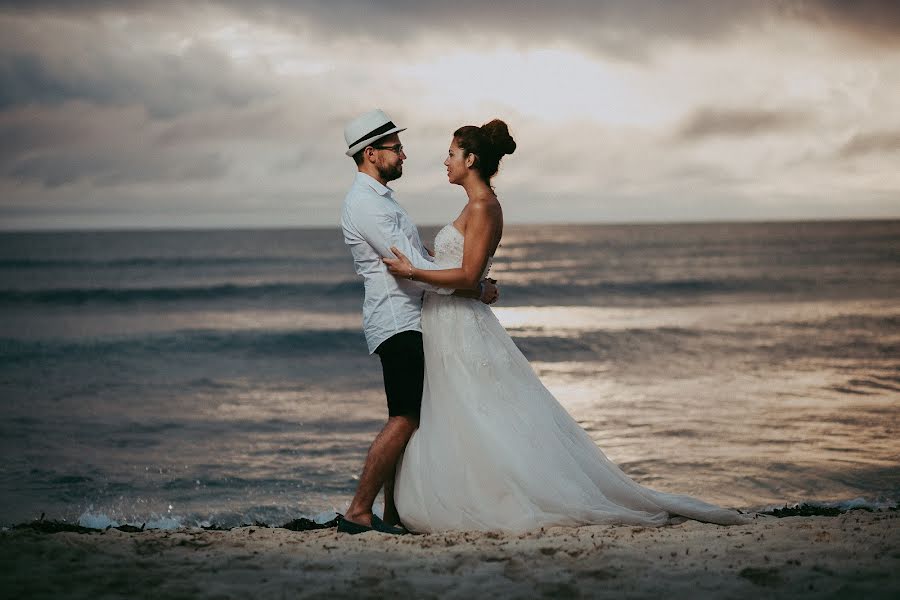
(365, 129)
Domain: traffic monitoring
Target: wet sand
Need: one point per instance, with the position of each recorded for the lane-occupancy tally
(853, 555)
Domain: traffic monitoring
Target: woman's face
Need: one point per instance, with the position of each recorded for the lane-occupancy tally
(456, 163)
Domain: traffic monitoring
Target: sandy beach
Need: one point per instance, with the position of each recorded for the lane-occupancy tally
(854, 555)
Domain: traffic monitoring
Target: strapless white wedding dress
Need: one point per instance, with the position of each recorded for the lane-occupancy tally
(495, 450)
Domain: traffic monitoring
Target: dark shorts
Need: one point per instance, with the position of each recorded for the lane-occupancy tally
(403, 364)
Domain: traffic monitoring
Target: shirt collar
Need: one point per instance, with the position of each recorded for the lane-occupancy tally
(380, 189)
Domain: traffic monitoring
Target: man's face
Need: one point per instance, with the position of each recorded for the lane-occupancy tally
(389, 157)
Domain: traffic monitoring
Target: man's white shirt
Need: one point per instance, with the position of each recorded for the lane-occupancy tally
(372, 222)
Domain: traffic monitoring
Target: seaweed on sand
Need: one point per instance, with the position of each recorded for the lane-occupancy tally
(810, 510)
(308, 524)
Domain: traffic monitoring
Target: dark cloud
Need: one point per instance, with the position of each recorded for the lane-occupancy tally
(268, 122)
(106, 169)
(98, 95)
(619, 27)
(101, 146)
(873, 142)
(85, 7)
(710, 122)
(25, 79)
(106, 146)
(29, 131)
(100, 66)
(877, 21)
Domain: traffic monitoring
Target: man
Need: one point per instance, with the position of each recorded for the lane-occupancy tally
(372, 222)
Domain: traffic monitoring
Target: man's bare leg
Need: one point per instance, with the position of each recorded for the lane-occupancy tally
(381, 462)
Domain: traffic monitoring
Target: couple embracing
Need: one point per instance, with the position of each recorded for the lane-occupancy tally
(473, 440)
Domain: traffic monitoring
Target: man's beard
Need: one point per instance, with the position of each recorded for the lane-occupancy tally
(390, 172)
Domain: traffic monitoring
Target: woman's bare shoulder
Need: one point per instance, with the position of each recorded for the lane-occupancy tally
(484, 207)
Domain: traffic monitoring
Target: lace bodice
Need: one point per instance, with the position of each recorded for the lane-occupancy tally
(448, 249)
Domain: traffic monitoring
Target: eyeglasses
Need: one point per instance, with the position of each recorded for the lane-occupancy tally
(396, 148)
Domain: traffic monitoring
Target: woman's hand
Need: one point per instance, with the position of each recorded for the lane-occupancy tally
(490, 292)
(400, 266)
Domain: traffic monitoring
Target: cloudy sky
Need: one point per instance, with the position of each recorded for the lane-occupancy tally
(225, 113)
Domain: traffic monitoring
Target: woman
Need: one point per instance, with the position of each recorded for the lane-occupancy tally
(494, 449)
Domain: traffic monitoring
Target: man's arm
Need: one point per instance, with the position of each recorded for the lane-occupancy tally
(382, 230)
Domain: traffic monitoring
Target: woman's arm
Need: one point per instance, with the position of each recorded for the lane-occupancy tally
(381, 229)
(481, 223)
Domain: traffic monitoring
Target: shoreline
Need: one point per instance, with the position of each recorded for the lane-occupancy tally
(323, 521)
(853, 554)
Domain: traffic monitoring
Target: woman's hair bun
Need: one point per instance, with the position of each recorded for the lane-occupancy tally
(497, 133)
(489, 143)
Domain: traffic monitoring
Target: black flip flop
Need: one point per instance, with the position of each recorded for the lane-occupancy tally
(345, 526)
(379, 525)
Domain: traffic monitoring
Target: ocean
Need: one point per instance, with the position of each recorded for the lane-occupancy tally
(183, 378)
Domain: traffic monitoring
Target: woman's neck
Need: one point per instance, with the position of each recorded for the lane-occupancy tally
(476, 188)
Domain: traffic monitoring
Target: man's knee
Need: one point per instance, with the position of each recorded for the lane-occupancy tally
(406, 423)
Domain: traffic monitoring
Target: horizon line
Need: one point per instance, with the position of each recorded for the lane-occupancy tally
(273, 227)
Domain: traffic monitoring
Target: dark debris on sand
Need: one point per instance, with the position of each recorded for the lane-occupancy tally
(59, 526)
(303, 524)
(308, 525)
(811, 510)
(54, 526)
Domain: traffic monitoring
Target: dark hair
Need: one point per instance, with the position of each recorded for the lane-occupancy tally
(489, 143)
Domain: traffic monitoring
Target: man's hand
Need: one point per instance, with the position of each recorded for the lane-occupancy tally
(490, 292)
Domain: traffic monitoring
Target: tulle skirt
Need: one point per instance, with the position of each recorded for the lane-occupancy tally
(496, 451)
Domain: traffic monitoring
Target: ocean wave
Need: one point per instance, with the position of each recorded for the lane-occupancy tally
(100, 520)
(179, 343)
(155, 262)
(589, 345)
(514, 294)
(776, 343)
(218, 292)
(268, 516)
(274, 516)
(666, 289)
(847, 323)
(615, 344)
